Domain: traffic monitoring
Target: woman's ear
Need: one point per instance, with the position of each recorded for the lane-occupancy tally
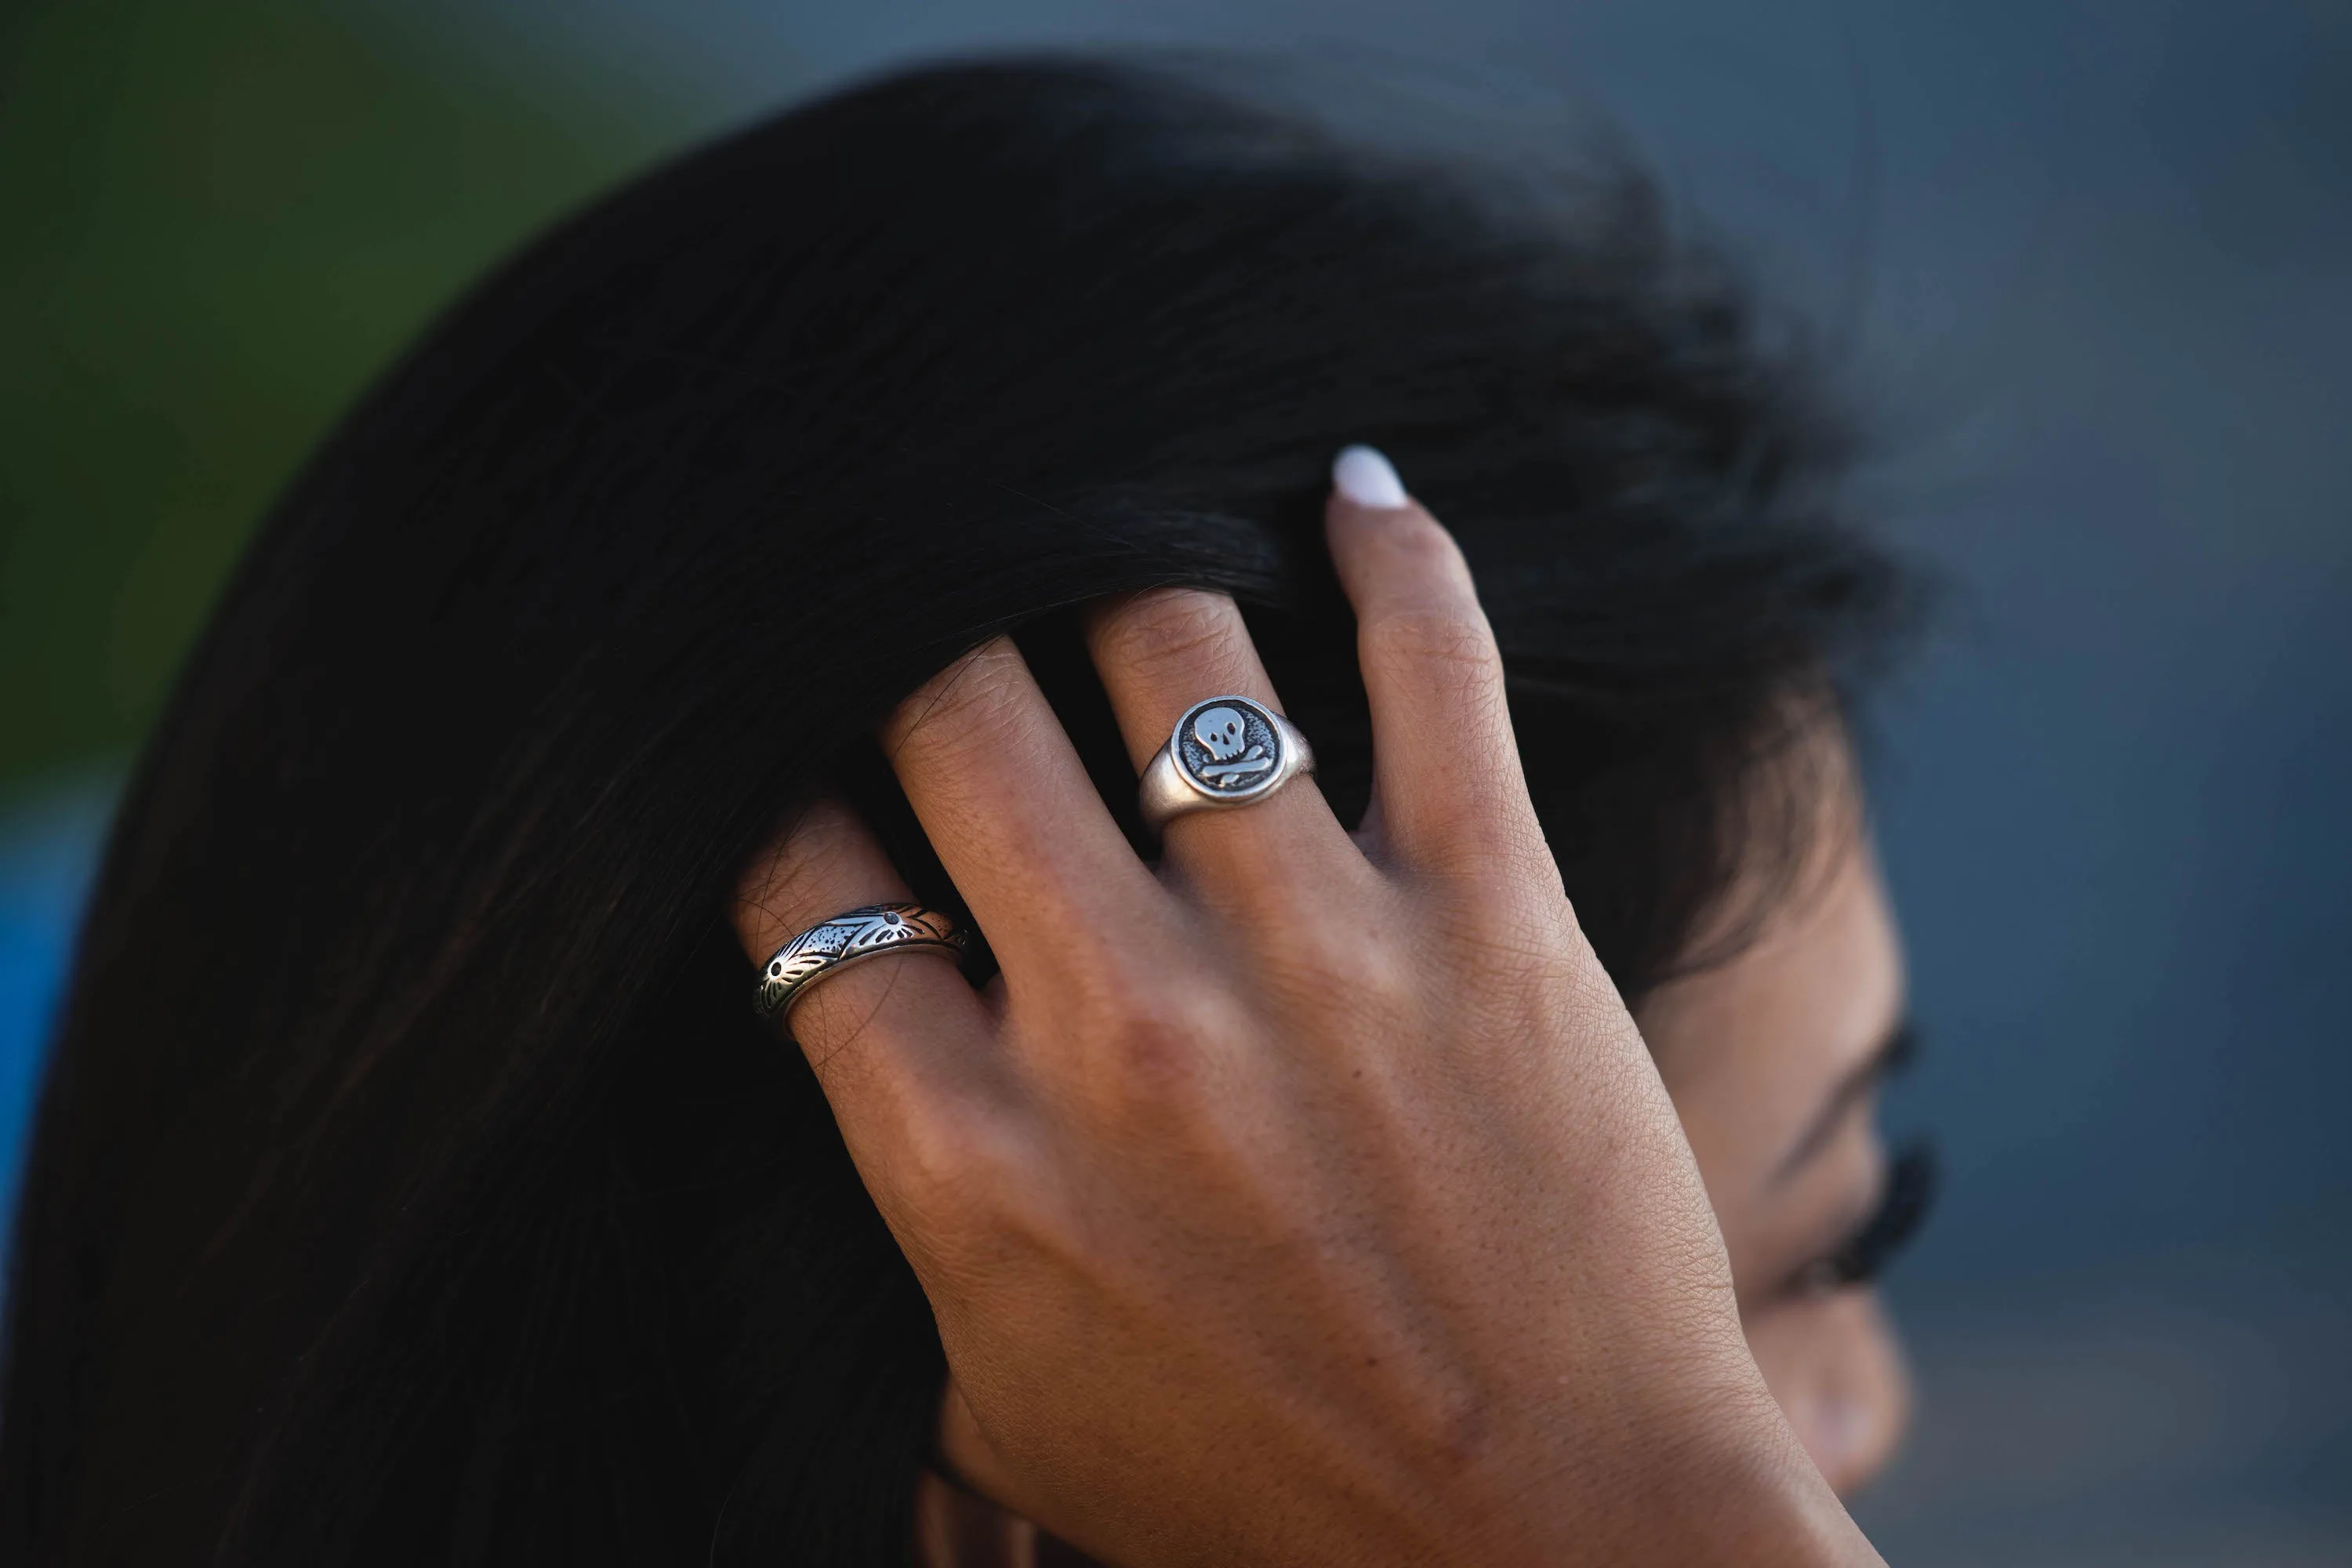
(961, 1517)
(956, 1529)
(964, 1455)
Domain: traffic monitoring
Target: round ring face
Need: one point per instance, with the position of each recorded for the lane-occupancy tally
(1229, 749)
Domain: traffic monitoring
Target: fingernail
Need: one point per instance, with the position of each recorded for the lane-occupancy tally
(1367, 478)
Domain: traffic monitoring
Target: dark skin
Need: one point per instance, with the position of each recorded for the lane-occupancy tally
(1773, 1061)
(1306, 1197)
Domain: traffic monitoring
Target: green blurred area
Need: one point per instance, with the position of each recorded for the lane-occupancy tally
(217, 222)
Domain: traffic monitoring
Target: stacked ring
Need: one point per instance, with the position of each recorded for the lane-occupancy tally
(832, 946)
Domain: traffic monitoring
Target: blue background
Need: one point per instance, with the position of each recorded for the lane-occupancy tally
(2092, 264)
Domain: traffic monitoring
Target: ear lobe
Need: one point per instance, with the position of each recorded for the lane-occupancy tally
(964, 1456)
(959, 1529)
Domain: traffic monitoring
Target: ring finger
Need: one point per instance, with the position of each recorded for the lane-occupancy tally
(1162, 652)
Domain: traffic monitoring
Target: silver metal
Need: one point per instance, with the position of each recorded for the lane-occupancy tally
(1225, 752)
(832, 945)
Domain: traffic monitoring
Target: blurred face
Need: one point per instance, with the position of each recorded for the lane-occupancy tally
(1773, 1060)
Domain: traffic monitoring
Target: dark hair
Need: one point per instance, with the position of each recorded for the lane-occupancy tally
(411, 1181)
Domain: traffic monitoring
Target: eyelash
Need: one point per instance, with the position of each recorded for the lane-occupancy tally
(1891, 1225)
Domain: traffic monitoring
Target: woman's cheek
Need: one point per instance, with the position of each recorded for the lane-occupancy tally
(1833, 1363)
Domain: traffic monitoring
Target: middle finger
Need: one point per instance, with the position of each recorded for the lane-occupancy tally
(1161, 652)
(1006, 803)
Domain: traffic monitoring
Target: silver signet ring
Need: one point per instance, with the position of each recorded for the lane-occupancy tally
(832, 946)
(1225, 752)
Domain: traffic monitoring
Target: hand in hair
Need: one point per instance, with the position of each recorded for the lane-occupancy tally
(1307, 1197)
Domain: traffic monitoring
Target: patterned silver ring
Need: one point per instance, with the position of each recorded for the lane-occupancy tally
(832, 945)
(1225, 752)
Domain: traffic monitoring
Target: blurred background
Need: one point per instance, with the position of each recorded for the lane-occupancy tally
(2090, 260)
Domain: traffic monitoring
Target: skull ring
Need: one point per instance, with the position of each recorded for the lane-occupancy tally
(1227, 752)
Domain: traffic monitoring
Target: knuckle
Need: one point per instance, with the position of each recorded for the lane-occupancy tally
(1459, 1428)
(1494, 915)
(1114, 989)
(1508, 914)
(953, 1159)
(1160, 1061)
(1357, 963)
(1153, 1035)
(1382, 984)
(973, 1186)
(1309, 951)
(1499, 856)
(1172, 629)
(972, 705)
(1441, 639)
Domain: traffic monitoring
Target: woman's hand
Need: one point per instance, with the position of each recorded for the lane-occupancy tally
(1307, 1197)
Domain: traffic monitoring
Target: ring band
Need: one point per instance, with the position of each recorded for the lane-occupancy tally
(831, 946)
(1227, 752)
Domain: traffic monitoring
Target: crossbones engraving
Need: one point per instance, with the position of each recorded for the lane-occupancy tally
(1256, 762)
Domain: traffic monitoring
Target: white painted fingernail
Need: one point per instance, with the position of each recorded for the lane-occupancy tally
(1367, 478)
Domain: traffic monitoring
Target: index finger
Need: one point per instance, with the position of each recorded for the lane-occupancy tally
(897, 1042)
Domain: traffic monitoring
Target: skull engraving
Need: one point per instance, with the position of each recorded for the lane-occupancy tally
(1221, 731)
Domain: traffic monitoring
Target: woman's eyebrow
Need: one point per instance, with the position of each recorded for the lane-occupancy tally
(1895, 1048)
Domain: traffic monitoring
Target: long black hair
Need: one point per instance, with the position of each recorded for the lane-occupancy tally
(411, 1182)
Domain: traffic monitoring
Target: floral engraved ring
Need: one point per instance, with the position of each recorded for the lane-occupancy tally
(834, 945)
